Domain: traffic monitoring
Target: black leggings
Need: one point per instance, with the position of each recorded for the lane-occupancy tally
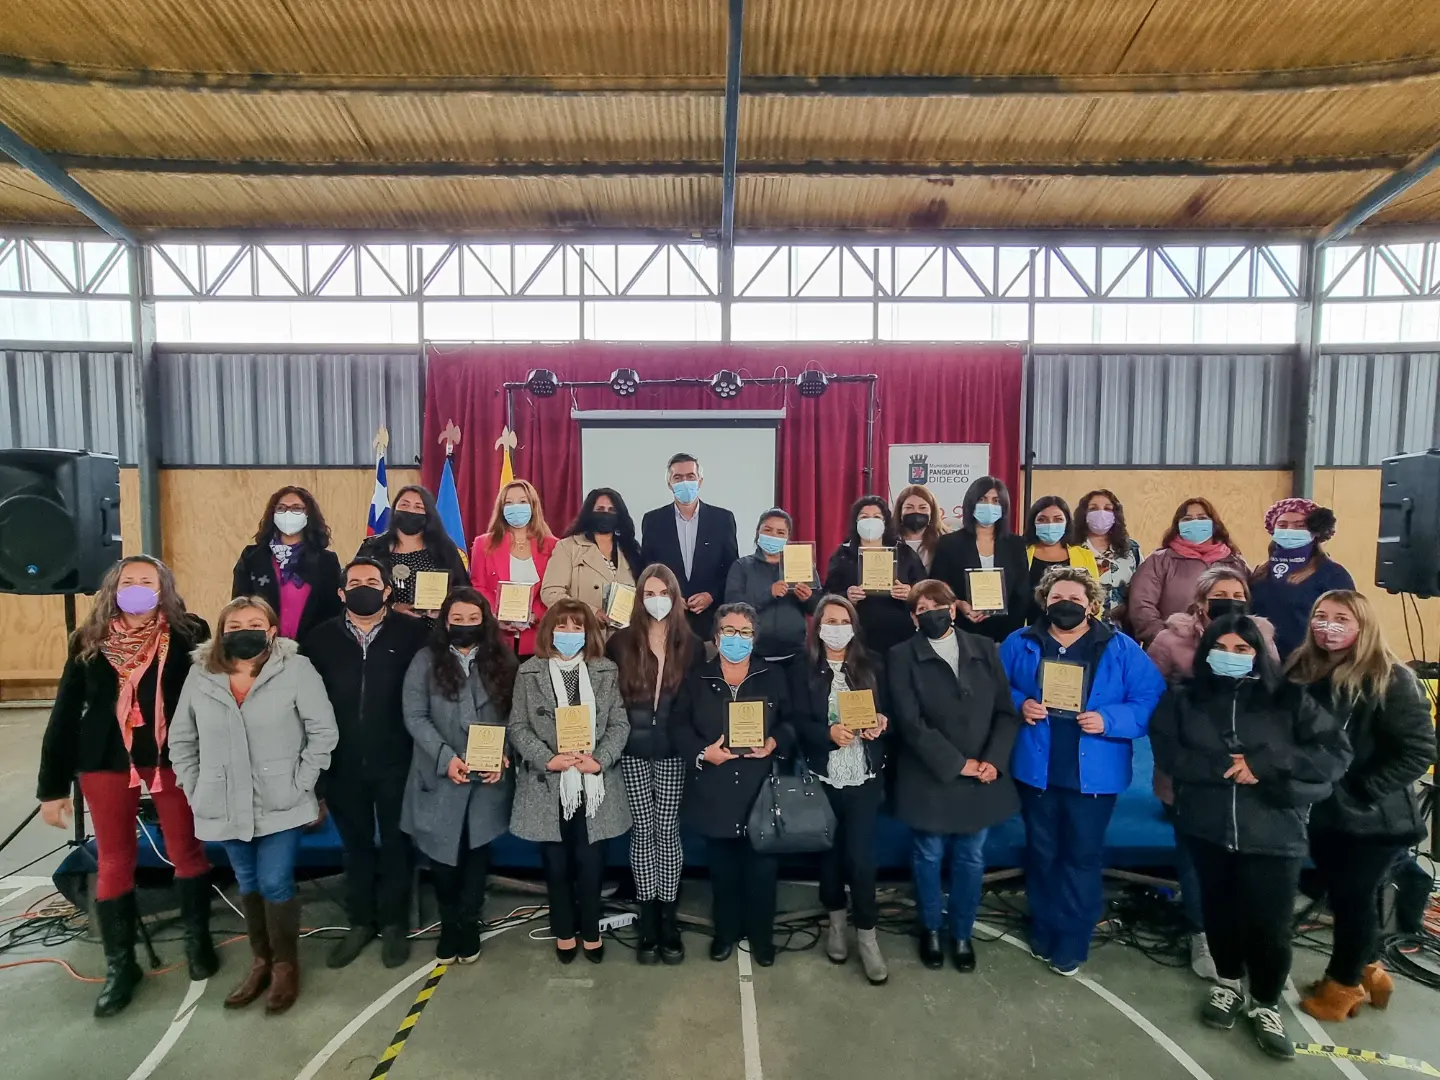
(852, 857)
(1249, 904)
(1351, 871)
(574, 871)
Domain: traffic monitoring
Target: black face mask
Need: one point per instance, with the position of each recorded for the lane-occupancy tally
(410, 523)
(1218, 609)
(465, 636)
(603, 521)
(935, 623)
(1065, 614)
(364, 600)
(914, 522)
(245, 644)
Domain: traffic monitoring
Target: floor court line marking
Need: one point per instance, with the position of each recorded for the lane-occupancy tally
(18, 886)
(749, 1028)
(181, 1021)
(1166, 1043)
(1317, 1033)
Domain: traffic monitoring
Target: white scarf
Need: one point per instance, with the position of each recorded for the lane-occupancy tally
(572, 780)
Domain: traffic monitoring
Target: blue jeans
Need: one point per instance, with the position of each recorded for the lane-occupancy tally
(1064, 861)
(965, 854)
(1189, 882)
(266, 864)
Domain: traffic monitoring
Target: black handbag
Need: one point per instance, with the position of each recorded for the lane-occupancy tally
(791, 815)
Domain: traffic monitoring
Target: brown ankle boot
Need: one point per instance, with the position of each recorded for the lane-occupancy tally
(1334, 1002)
(258, 977)
(283, 921)
(1377, 983)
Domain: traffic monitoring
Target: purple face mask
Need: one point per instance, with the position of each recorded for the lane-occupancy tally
(137, 600)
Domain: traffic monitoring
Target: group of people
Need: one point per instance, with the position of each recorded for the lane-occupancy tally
(325, 689)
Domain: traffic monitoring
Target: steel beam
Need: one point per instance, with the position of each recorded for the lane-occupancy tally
(147, 400)
(1303, 412)
(62, 183)
(1383, 194)
(731, 156)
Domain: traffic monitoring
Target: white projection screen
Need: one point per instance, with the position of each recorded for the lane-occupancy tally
(626, 449)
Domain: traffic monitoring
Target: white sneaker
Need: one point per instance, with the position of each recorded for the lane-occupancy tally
(1201, 962)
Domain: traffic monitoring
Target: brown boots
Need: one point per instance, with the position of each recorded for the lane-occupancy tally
(1333, 1002)
(1376, 981)
(274, 932)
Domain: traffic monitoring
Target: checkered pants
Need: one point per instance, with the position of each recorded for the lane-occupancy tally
(654, 788)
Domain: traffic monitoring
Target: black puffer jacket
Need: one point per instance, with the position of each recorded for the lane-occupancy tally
(1292, 744)
(649, 719)
(1394, 743)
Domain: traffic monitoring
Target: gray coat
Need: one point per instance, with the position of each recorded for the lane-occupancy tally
(536, 815)
(250, 770)
(436, 808)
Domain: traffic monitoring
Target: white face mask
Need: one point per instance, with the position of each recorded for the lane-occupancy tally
(291, 522)
(837, 637)
(870, 528)
(658, 606)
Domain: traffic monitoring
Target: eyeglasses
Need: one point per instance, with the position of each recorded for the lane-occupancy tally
(730, 631)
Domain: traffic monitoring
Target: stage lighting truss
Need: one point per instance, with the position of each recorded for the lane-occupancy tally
(625, 381)
(542, 382)
(812, 383)
(726, 384)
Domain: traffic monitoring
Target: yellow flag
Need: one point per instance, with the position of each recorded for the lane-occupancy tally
(505, 443)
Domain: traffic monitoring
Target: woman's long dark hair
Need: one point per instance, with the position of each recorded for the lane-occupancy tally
(497, 663)
(434, 535)
(632, 646)
(888, 540)
(584, 525)
(859, 672)
(974, 493)
(1044, 503)
(316, 534)
(1118, 537)
(1221, 534)
(1206, 681)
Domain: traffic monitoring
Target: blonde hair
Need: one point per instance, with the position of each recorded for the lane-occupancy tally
(1056, 574)
(935, 528)
(220, 662)
(104, 611)
(1366, 667)
(495, 532)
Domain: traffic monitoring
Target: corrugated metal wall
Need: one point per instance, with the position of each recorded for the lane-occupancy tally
(1162, 409)
(287, 409)
(1373, 405)
(70, 400)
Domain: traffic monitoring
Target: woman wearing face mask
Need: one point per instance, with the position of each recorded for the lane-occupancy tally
(598, 552)
(884, 618)
(759, 581)
(850, 765)
(1249, 754)
(465, 677)
(516, 547)
(1219, 591)
(653, 655)
(127, 665)
(252, 733)
(1100, 526)
(724, 783)
(984, 542)
(920, 521)
(1373, 815)
(1048, 530)
(1298, 571)
(955, 726)
(415, 543)
(570, 803)
(1165, 583)
(290, 564)
(1071, 765)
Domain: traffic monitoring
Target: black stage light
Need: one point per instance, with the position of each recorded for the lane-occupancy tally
(625, 381)
(542, 382)
(812, 383)
(726, 384)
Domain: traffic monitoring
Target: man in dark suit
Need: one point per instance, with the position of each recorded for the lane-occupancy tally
(695, 540)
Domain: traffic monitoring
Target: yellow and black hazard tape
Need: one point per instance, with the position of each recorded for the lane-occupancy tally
(387, 1059)
(1368, 1057)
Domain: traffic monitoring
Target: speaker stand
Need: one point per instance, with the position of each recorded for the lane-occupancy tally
(77, 798)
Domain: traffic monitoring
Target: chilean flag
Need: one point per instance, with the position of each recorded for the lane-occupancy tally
(378, 520)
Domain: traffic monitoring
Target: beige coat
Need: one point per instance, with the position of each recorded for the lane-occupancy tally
(577, 570)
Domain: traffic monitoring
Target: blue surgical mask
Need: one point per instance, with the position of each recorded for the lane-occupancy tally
(1291, 539)
(737, 648)
(686, 491)
(517, 515)
(987, 513)
(1230, 665)
(1050, 532)
(1197, 531)
(771, 545)
(569, 642)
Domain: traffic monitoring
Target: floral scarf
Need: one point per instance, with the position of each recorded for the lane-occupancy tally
(287, 561)
(131, 651)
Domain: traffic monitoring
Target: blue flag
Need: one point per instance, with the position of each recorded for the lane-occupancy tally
(447, 502)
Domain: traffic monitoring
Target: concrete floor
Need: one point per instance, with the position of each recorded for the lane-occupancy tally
(519, 1014)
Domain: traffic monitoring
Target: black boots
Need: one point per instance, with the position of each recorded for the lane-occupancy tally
(932, 952)
(117, 919)
(648, 950)
(963, 954)
(672, 946)
(200, 954)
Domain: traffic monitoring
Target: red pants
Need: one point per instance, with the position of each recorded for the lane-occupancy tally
(113, 804)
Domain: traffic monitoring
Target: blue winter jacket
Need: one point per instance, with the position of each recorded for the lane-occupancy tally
(1124, 688)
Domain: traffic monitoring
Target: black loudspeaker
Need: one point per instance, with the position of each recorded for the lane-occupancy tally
(1407, 557)
(59, 520)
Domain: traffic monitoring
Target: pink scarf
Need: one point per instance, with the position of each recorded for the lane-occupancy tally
(130, 653)
(1210, 552)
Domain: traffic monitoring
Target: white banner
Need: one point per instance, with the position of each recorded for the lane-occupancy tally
(947, 469)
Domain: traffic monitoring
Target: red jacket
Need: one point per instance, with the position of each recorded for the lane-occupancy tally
(489, 568)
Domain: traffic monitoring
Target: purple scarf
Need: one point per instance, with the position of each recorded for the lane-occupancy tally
(1285, 562)
(287, 558)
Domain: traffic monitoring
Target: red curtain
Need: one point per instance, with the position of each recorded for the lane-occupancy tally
(924, 393)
